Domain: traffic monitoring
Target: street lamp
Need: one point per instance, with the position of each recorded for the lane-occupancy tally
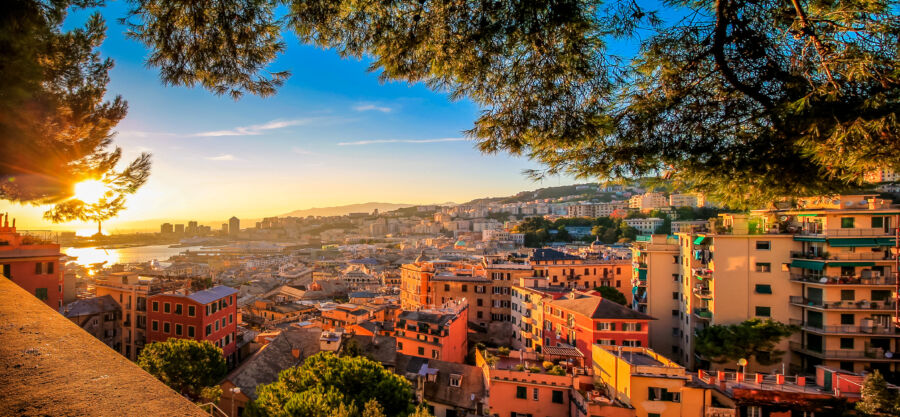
(234, 391)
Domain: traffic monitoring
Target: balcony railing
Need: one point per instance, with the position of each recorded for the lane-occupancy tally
(847, 329)
(703, 313)
(887, 279)
(843, 305)
(703, 293)
(850, 232)
(867, 354)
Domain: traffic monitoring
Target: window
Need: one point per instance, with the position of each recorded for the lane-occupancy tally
(190, 332)
(178, 309)
(421, 350)
(435, 354)
(446, 287)
(38, 268)
(229, 319)
(155, 306)
(881, 295)
(178, 329)
(763, 245)
(192, 311)
(674, 295)
(41, 293)
(217, 325)
(465, 288)
(877, 222)
(154, 325)
(763, 289)
(49, 267)
(223, 322)
(7, 270)
(166, 307)
(674, 313)
(455, 380)
(754, 411)
(557, 396)
(848, 319)
(400, 345)
(847, 222)
(652, 414)
(846, 343)
(479, 314)
(661, 394)
(763, 311)
(763, 267)
(521, 392)
(167, 327)
(479, 302)
(848, 295)
(208, 329)
(534, 394)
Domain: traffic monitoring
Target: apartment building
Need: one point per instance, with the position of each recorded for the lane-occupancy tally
(99, 316)
(656, 280)
(595, 209)
(31, 259)
(131, 291)
(648, 201)
(435, 333)
(475, 289)
(209, 315)
(645, 226)
(527, 311)
(728, 275)
(580, 320)
(843, 273)
(683, 200)
(575, 272)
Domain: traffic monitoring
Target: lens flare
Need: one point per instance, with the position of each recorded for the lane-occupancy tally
(90, 191)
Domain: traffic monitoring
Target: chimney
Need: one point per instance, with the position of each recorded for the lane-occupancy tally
(295, 353)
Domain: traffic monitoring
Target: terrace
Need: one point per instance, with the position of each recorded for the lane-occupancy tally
(887, 279)
(843, 305)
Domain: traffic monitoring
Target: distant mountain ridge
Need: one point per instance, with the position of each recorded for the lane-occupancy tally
(344, 210)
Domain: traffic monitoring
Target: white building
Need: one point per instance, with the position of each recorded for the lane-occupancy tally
(645, 226)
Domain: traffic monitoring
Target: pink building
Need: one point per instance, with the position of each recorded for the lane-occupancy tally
(31, 260)
(203, 315)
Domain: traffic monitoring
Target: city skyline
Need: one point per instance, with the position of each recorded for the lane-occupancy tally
(333, 135)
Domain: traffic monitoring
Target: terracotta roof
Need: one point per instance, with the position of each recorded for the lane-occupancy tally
(470, 392)
(91, 306)
(599, 308)
(264, 366)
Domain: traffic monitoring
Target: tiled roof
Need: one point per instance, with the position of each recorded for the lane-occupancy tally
(599, 308)
(470, 392)
(425, 317)
(459, 278)
(541, 255)
(91, 306)
(264, 366)
(212, 294)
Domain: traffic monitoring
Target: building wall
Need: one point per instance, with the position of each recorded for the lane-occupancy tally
(662, 285)
(199, 321)
(23, 273)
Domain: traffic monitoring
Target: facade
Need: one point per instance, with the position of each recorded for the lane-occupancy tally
(32, 261)
(234, 226)
(683, 200)
(648, 201)
(645, 226)
(656, 280)
(595, 209)
(131, 292)
(209, 315)
(475, 289)
(574, 272)
(581, 320)
(438, 333)
(99, 316)
(527, 311)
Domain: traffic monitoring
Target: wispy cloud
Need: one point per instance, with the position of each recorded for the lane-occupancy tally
(223, 157)
(380, 141)
(300, 151)
(254, 129)
(373, 107)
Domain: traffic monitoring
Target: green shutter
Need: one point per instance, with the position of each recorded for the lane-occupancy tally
(851, 263)
(700, 240)
(852, 242)
(807, 264)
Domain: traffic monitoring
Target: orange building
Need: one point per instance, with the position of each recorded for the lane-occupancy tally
(575, 272)
(583, 319)
(438, 333)
(203, 315)
(31, 260)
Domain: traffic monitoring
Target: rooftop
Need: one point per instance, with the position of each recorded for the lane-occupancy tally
(541, 255)
(599, 308)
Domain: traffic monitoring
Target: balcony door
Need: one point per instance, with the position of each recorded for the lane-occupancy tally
(814, 295)
(814, 319)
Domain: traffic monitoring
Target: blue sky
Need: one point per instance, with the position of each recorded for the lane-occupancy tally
(332, 135)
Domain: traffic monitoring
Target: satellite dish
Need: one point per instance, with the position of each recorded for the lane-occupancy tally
(888, 355)
(823, 280)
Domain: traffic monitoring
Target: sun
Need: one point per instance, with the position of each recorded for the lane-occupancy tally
(90, 191)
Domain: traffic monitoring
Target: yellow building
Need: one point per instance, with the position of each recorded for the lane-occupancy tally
(649, 382)
(843, 272)
(730, 274)
(131, 292)
(656, 276)
(528, 298)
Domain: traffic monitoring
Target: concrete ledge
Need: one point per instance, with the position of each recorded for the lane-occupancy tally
(50, 366)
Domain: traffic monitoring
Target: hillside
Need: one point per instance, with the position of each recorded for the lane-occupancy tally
(344, 210)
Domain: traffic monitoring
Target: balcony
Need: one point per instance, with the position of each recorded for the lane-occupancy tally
(869, 354)
(890, 279)
(874, 330)
(849, 232)
(703, 293)
(702, 273)
(703, 313)
(843, 305)
(844, 256)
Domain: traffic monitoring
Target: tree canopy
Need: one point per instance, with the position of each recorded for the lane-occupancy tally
(611, 294)
(185, 365)
(56, 125)
(877, 399)
(325, 383)
(745, 100)
(752, 339)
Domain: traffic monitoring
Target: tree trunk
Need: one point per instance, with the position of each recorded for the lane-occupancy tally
(99, 230)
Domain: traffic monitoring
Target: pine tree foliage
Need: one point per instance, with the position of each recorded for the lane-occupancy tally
(745, 100)
(877, 399)
(185, 365)
(56, 125)
(752, 339)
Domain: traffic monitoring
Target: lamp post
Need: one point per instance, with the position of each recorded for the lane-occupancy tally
(234, 391)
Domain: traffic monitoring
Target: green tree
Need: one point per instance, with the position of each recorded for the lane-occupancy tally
(325, 381)
(877, 399)
(750, 339)
(56, 126)
(745, 100)
(187, 366)
(611, 294)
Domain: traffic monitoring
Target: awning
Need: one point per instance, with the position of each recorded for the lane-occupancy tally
(851, 263)
(848, 242)
(700, 240)
(763, 289)
(807, 215)
(806, 264)
(886, 241)
(808, 239)
(642, 274)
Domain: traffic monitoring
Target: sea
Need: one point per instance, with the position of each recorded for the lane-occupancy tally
(93, 255)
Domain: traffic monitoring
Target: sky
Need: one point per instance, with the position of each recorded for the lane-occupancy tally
(332, 135)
